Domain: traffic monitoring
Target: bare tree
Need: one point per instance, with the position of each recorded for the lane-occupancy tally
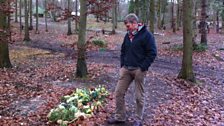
(45, 15)
(114, 9)
(4, 31)
(69, 19)
(81, 68)
(173, 18)
(76, 15)
(203, 23)
(37, 17)
(31, 13)
(16, 12)
(27, 35)
(159, 14)
(187, 69)
(20, 16)
(152, 15)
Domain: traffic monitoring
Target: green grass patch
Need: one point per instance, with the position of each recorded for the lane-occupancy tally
(99, 42)
(196, 47)
(200, 47)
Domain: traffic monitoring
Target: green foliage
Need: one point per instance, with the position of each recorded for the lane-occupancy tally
(99, 42)
(144, 10)
(63, 112)
(82, 102)
(200, 47)
(131, 7)
(196, 47)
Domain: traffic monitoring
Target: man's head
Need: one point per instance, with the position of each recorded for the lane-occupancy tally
(131, 22)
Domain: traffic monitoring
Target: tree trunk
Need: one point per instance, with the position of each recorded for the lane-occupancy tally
(20, 16)
(137, 7)
(45, 15)
(143, 11)
(116, 12)
(152, 15)
(178, 15)
(81, 68)
(217, 20)
(164, 4)
(69, 19)
(173, 20)
(27, 35)
(187, 70)
(159, 15)
(76, 15)
(203, 24)
(194, 23)
(114, 17)
(37, 17)
(222, 19)
(31, 14)
(9, 24)
(16, 12)
(4, 51)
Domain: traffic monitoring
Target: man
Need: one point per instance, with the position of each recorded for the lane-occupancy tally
(138, 52)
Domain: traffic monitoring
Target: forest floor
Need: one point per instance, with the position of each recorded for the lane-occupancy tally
(43, 71)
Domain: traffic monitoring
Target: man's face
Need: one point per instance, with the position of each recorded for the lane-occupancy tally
(131, 25)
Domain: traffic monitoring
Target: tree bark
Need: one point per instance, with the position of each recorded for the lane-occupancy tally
(4, 29)
(16, 12)
(69, 19)
(137, 7)
(217, 20)
(178, 15)
(194, 23)
(116, 13)
(159, 15)
(203, 24)
(152, 15)
(81, 68)
(222, 19)
(173, 20)
(27, 35)
(187, 69)
(45, 15)
(31, 14)
(164, 5)
(114, 17)
(76, 15)
(20, 16)
(37, 17)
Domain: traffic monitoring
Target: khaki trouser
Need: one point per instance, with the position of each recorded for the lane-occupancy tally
(126, 78)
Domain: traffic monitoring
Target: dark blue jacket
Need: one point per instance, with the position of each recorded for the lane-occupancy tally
(140, 52)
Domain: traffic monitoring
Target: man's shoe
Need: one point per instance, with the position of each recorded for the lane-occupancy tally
(114, 121)
(137, 123)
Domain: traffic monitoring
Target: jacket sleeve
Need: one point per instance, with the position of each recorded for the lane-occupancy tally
(122, 53)
(150, 52)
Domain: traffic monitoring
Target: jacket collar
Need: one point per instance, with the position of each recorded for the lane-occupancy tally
(131, 34)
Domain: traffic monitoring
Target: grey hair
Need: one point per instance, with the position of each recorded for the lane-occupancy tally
(131, 18)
